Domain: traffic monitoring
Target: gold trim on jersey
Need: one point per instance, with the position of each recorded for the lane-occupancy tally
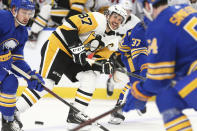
(188, 88)
(7, 100)
(58, 12)
(178, 124)
(160, 77)
(162, 64)
(143, 67)
(125, 89)
(131, 65)
(5, 57)
(161, 70)
(192, 68)
(7, 105)
(123, 48)
(17, 57)
(137, 94)
(7, 95)
(137, 51)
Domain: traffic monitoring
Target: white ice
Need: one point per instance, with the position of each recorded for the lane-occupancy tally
(54, 113)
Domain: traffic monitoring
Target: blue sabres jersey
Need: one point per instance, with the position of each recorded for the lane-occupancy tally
(13, 38)
(133, 48)
(172, 46)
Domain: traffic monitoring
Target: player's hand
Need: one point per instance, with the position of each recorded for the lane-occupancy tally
(6, 59)
(79, 55)
(136, 98)
(36, 81)
(107, 67)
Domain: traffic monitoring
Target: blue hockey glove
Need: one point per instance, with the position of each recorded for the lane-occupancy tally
(6, 59)
(36, 81)
(136, 98)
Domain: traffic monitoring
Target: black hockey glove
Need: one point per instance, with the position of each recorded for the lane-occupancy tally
(96, 44)
(79, 54)
(107, 67)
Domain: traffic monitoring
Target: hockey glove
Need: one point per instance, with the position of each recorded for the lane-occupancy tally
(136, 98)
(96, 44)
(35, 82)
(79, 54)
(6, 59)
(107, 67)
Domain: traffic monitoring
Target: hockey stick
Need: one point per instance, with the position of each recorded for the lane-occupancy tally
(55, 95)
(91, 61)
(90, 121)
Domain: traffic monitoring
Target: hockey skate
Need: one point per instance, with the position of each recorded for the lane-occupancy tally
(117, 117)
(74, 119)
(17, 118)
(10, 125)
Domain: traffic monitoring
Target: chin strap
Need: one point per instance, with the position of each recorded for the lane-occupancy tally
(149, 13)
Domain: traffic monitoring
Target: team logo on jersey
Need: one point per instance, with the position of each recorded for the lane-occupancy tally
(10, 44)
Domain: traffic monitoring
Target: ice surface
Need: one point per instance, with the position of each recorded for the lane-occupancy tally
(54, 113)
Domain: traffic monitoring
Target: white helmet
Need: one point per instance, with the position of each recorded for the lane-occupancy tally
(175, 2)
(126, 4)
(119, 10)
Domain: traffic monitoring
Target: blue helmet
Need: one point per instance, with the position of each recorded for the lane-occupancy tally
(149, 1)
(153, 1)
(24, 4)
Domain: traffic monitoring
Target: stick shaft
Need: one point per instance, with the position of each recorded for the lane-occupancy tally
(54, 94)
(90, 121)
(91, 61)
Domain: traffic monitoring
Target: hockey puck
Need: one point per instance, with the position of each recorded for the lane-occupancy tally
(39, 123)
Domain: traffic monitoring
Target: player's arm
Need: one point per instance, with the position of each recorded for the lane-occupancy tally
(36, 80)
(18, 56)
(77, 6)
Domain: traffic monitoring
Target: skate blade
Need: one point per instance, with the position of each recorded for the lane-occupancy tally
(71, 126)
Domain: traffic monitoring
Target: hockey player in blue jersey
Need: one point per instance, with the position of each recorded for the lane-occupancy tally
(172, 61)
(13, 35)
(133, 49)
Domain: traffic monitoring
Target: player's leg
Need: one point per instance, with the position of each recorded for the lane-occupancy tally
(8, 88)
(118, 117)
(86, 78)
(187, 89)
(171, 105)
(40, 22)
(51, 68)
